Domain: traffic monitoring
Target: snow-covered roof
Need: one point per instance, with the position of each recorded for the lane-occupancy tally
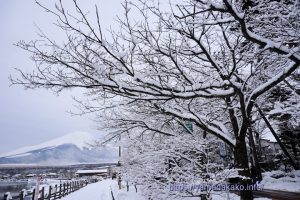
(104, 167)
(30, 175)
(52, 174)
(91, 171)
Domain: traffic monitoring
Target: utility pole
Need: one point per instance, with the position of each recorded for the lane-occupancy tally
(119, 165)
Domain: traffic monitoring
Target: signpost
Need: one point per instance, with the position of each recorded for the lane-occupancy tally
(222, 150)
(189, 126)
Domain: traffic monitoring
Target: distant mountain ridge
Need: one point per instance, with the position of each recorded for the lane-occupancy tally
(71, 148)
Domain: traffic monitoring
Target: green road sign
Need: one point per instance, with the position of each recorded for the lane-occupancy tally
(189, 126)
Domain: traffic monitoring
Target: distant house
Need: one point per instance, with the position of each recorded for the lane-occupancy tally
(52, 175)
(270, 147)
(268, 153)
(7, 176)
(30, 175)
(17, 176)
(95, 172)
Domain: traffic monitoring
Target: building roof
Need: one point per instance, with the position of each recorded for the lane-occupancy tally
(97, 171)
(52, 174)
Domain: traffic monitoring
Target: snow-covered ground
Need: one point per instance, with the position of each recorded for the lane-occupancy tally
(102, 190)
(279, 180)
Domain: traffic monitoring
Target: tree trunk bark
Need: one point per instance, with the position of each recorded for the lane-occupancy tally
(256, 173)
(243, 167)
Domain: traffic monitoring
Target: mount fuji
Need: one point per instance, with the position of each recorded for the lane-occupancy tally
(72, 148)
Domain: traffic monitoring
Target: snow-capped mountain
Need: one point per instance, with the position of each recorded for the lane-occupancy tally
(69, 149)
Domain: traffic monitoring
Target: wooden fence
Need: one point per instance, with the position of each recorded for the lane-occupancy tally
(51, 192)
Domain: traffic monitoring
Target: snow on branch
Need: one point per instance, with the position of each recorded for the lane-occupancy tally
(213, 127)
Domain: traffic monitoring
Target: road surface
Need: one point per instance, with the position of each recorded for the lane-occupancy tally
(277, 195)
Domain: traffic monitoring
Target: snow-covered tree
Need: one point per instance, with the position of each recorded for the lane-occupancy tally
(169, 167)
(283, 111)
(205, 62)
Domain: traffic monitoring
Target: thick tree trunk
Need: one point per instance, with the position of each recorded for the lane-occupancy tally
(243, 167)
(256, 172)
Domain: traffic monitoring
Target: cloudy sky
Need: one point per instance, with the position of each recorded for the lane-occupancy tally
(28, 117)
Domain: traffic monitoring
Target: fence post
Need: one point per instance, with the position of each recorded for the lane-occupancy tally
(135, 188)
(33, 194)
(55, 191)
(49, 193)
(21, 195)
(60, 187)
(64, 189)
(119, 182)
(43, 193)
(68, 187)
(112, 195)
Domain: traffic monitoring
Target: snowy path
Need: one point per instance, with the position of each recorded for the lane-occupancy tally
(102, 191)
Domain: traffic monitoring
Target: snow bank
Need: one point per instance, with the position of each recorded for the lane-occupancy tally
(279, 180)
(230, 196)
(224, 196)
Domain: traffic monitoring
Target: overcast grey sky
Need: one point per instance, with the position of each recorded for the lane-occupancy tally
(33, 116)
